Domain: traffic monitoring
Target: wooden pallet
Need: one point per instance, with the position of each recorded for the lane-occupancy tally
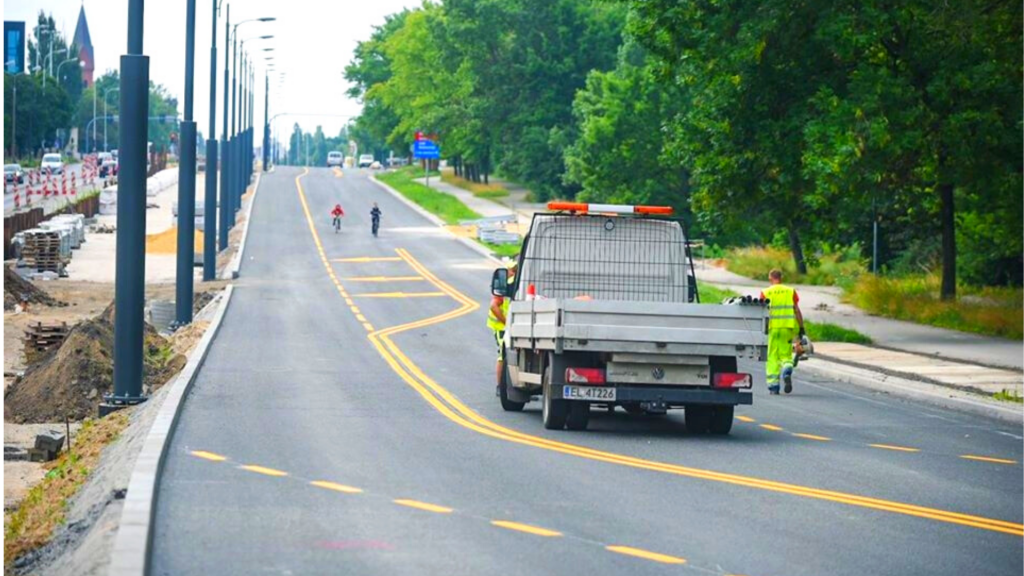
(41, 338)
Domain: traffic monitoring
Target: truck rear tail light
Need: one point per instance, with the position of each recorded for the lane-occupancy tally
(584, 376)
(733, 380)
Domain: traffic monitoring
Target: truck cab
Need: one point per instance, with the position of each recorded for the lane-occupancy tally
(605, 312)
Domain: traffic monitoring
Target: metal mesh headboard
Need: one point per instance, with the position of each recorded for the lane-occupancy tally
(605, 258)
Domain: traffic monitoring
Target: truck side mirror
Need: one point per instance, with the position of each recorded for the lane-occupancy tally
(691, 288)
(499, 282)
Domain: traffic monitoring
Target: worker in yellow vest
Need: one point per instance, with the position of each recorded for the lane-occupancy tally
(496, 317)
(784, 319)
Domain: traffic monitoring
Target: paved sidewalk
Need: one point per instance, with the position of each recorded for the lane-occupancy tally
(822, 304)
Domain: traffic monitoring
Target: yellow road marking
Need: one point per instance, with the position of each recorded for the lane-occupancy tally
(423, 506)
(812, 437)
(360, 317)
(367, 258)
(987, 459)
(646, 554)
(263, 470)
(400, 295)
(368, 326)
(745, 419)
(535, 530)
(355, 309)
(209, 456)
(771, 427)
(456, 411)
(896, 448)
(336, 487)
(349, 301)
(384, 278)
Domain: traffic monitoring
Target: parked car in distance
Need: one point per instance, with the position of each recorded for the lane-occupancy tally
(335, 158)
(13, 174)
(107, 164)
(52, 163)
(365, 160)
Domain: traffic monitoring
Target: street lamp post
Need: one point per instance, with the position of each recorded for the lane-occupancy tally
(129, 287)
(266, 120)
(187, 182)
(210, 193)
(226, 165)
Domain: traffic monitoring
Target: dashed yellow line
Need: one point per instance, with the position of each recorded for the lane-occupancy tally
(455, 410)
(771, 427)
(263, 470)
(895, 448)
(336, 487)
(535, 530)
(354, 309)
(812, 437)
(987, 459)
(423, 506)
(360, 317)
(208, 456)
(646, 554)
(400, 295)
(745, 419)
(384, 278)
(368, 326)
(364, 259)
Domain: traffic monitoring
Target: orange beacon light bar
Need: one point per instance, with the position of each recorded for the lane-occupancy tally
(584, 208)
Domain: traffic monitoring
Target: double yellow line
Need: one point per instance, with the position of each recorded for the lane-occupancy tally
(452, 408)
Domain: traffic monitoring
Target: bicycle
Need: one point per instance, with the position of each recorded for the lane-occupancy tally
(337, 224)
(375, 226)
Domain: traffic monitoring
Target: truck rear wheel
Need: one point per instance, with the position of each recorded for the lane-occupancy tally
(554, 411)
(698, 419)
(506, 404)
(721, 419)
(579, 416)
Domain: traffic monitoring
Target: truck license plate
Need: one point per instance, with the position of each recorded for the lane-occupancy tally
(594, 393)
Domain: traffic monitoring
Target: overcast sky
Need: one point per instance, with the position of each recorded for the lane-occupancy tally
(313, 41)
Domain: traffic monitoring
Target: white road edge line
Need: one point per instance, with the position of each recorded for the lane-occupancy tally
(434, 219)
(130, 556)
(231, 272)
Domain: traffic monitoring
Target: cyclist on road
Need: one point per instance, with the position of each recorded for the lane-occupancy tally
(375, 218)
(337, 213)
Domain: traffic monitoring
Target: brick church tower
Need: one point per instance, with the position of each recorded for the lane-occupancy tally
(84, 43)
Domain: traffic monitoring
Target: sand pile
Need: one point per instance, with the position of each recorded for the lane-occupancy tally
(18, 289)
(72, 379)
(166, 242)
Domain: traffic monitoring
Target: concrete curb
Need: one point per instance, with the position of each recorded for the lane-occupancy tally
(130, 556)
(933, 394)
(435, 220)
(231, 272)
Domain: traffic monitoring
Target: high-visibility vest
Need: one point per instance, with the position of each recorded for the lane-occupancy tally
(781, 313)
(492, 321)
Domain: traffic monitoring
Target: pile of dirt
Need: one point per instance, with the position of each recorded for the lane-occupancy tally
(18, 290)
(166, 242)
(71, 380)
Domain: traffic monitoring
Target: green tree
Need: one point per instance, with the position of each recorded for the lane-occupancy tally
(50, 41)
(40, 114)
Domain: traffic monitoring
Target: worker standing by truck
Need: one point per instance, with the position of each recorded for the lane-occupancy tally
(496, 317)
(784, 319)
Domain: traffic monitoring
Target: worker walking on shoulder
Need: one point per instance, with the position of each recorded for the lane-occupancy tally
(785, 323)
(496, 317)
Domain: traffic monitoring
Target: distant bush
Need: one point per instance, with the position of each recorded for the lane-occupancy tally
(991, 310)
(829, 266)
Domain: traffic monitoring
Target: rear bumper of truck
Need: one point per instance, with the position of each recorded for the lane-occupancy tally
(674, 396)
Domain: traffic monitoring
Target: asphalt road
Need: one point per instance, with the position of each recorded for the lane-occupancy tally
(334, 431)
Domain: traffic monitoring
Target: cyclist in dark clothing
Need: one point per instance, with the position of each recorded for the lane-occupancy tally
(375, 218)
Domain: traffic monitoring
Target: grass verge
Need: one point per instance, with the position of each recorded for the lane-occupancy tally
(990, 311)
(44, 507)
(818, 332)
(833, 268)
(1009, 396)
(444, 206)
(502, 250)
(478, 189)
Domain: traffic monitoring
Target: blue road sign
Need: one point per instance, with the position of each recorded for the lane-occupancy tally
(426, 149)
